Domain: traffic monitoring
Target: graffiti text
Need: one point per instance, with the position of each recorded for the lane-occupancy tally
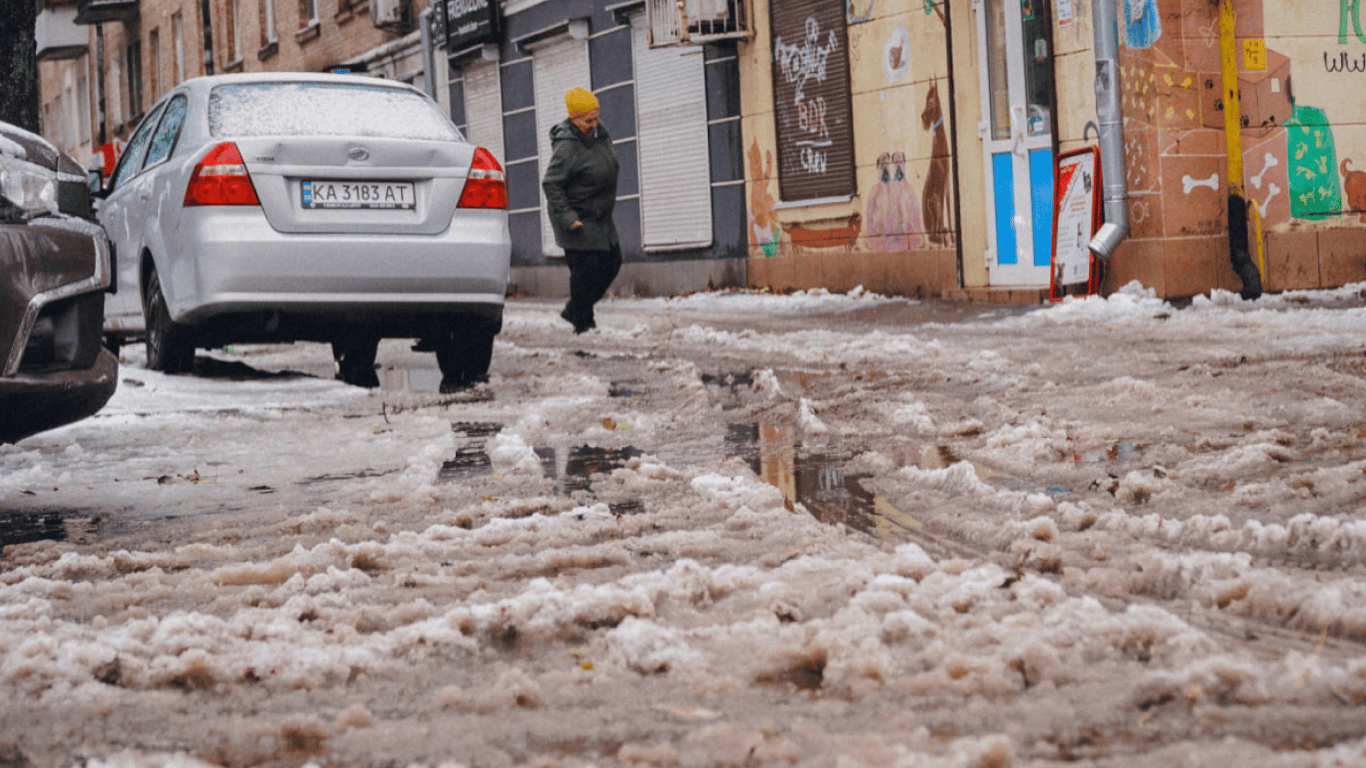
(1344, 63)
(1351, 9)
(811, 116)
(813, 160)
(804, 62)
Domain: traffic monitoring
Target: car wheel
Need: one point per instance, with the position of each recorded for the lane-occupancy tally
(354, 357)
(464, 357)
(170, 345)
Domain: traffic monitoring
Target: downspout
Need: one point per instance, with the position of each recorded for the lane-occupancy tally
(1110, 118)
(428, 53)
(1233, 143)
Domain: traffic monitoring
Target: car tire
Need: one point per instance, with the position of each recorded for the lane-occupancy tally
(464, 356)
(170, 345)
(354, 356)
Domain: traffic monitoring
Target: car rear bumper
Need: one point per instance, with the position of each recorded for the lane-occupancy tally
(32, 403)
(230, 261)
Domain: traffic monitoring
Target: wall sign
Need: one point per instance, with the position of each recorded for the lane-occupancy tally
(813, 108)
(468, 23)
(1076, 218)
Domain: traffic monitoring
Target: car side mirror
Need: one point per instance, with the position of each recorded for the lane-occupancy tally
(94, 181)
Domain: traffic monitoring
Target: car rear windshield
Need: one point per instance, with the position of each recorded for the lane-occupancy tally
(324, 109)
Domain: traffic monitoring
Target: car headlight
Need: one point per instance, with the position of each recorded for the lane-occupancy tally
(28, 186)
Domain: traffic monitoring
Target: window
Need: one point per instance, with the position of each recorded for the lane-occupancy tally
(164, 140)
(235, 29)
(324, 109)
(308, 13)
(58, 122)
(268, 33)
(178, 42)
(115, 90)
(154, 62)
(134, 78)
(83, 98)
(131, 160)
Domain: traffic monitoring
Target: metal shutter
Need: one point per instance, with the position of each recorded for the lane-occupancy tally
(557, 68)
(671, 119)
(812, 102)
(484, 106)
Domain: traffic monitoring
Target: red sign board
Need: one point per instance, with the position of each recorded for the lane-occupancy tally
(1076, 218)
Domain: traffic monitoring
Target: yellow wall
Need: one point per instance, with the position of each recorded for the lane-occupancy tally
(897, 56)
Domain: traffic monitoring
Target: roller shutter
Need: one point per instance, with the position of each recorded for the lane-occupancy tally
(484, 106)
(671, 119)
(811, 101)
(557, 68)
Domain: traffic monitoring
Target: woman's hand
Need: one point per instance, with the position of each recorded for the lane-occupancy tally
(576, 225)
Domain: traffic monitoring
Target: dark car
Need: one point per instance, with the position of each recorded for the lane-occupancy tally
(54, 271)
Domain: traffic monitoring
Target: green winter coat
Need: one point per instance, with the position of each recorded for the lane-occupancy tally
(581, 185)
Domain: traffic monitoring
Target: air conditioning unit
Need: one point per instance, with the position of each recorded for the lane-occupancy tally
(390, 15)
(685, 22)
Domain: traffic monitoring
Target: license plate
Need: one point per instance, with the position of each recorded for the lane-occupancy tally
(358, 194)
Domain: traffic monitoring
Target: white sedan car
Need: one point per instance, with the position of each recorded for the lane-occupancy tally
(306, 207)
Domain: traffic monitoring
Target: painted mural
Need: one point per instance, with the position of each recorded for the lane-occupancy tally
(763, 222)
(894, 208)
(1304, 151)
(936, 196)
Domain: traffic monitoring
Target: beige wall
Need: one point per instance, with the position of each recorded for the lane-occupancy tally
(884, 238)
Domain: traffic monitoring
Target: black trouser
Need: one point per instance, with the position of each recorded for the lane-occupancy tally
(590, 275)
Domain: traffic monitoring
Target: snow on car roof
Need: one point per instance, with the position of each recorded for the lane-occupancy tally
(324, 107)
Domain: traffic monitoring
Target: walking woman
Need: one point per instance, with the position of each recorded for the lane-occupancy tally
(581, 190)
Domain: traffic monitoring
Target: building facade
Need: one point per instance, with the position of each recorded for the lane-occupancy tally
(501, 69)
(673, 112)
(913, 147)
(916, 147)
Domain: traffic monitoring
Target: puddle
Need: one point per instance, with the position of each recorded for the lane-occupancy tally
(25, 527)
(573, 468)
(631, 388)
(1113, 454)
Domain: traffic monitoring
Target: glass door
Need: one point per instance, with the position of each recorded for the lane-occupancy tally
(1017, 138)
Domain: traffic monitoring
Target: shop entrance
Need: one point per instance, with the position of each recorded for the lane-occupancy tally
(1016, 59)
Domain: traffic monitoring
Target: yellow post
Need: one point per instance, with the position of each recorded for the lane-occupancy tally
(1239, 259)
(1233, 123)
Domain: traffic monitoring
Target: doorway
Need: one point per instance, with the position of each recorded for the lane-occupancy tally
(1016, 57)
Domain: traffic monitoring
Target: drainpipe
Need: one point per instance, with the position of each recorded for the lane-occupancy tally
(1233, 144)
(428, 53)
(1110, 117)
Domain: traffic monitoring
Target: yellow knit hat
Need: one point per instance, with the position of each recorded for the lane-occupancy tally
(579, 101)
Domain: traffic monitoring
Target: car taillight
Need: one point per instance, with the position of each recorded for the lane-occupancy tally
(485, 186)
(221, 179)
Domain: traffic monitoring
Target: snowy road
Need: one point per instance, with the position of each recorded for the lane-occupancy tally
(722, 530)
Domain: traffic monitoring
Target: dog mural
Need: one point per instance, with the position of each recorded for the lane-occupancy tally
(893, 208)
(844, 234)
(935, 198)
(1353, 188)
